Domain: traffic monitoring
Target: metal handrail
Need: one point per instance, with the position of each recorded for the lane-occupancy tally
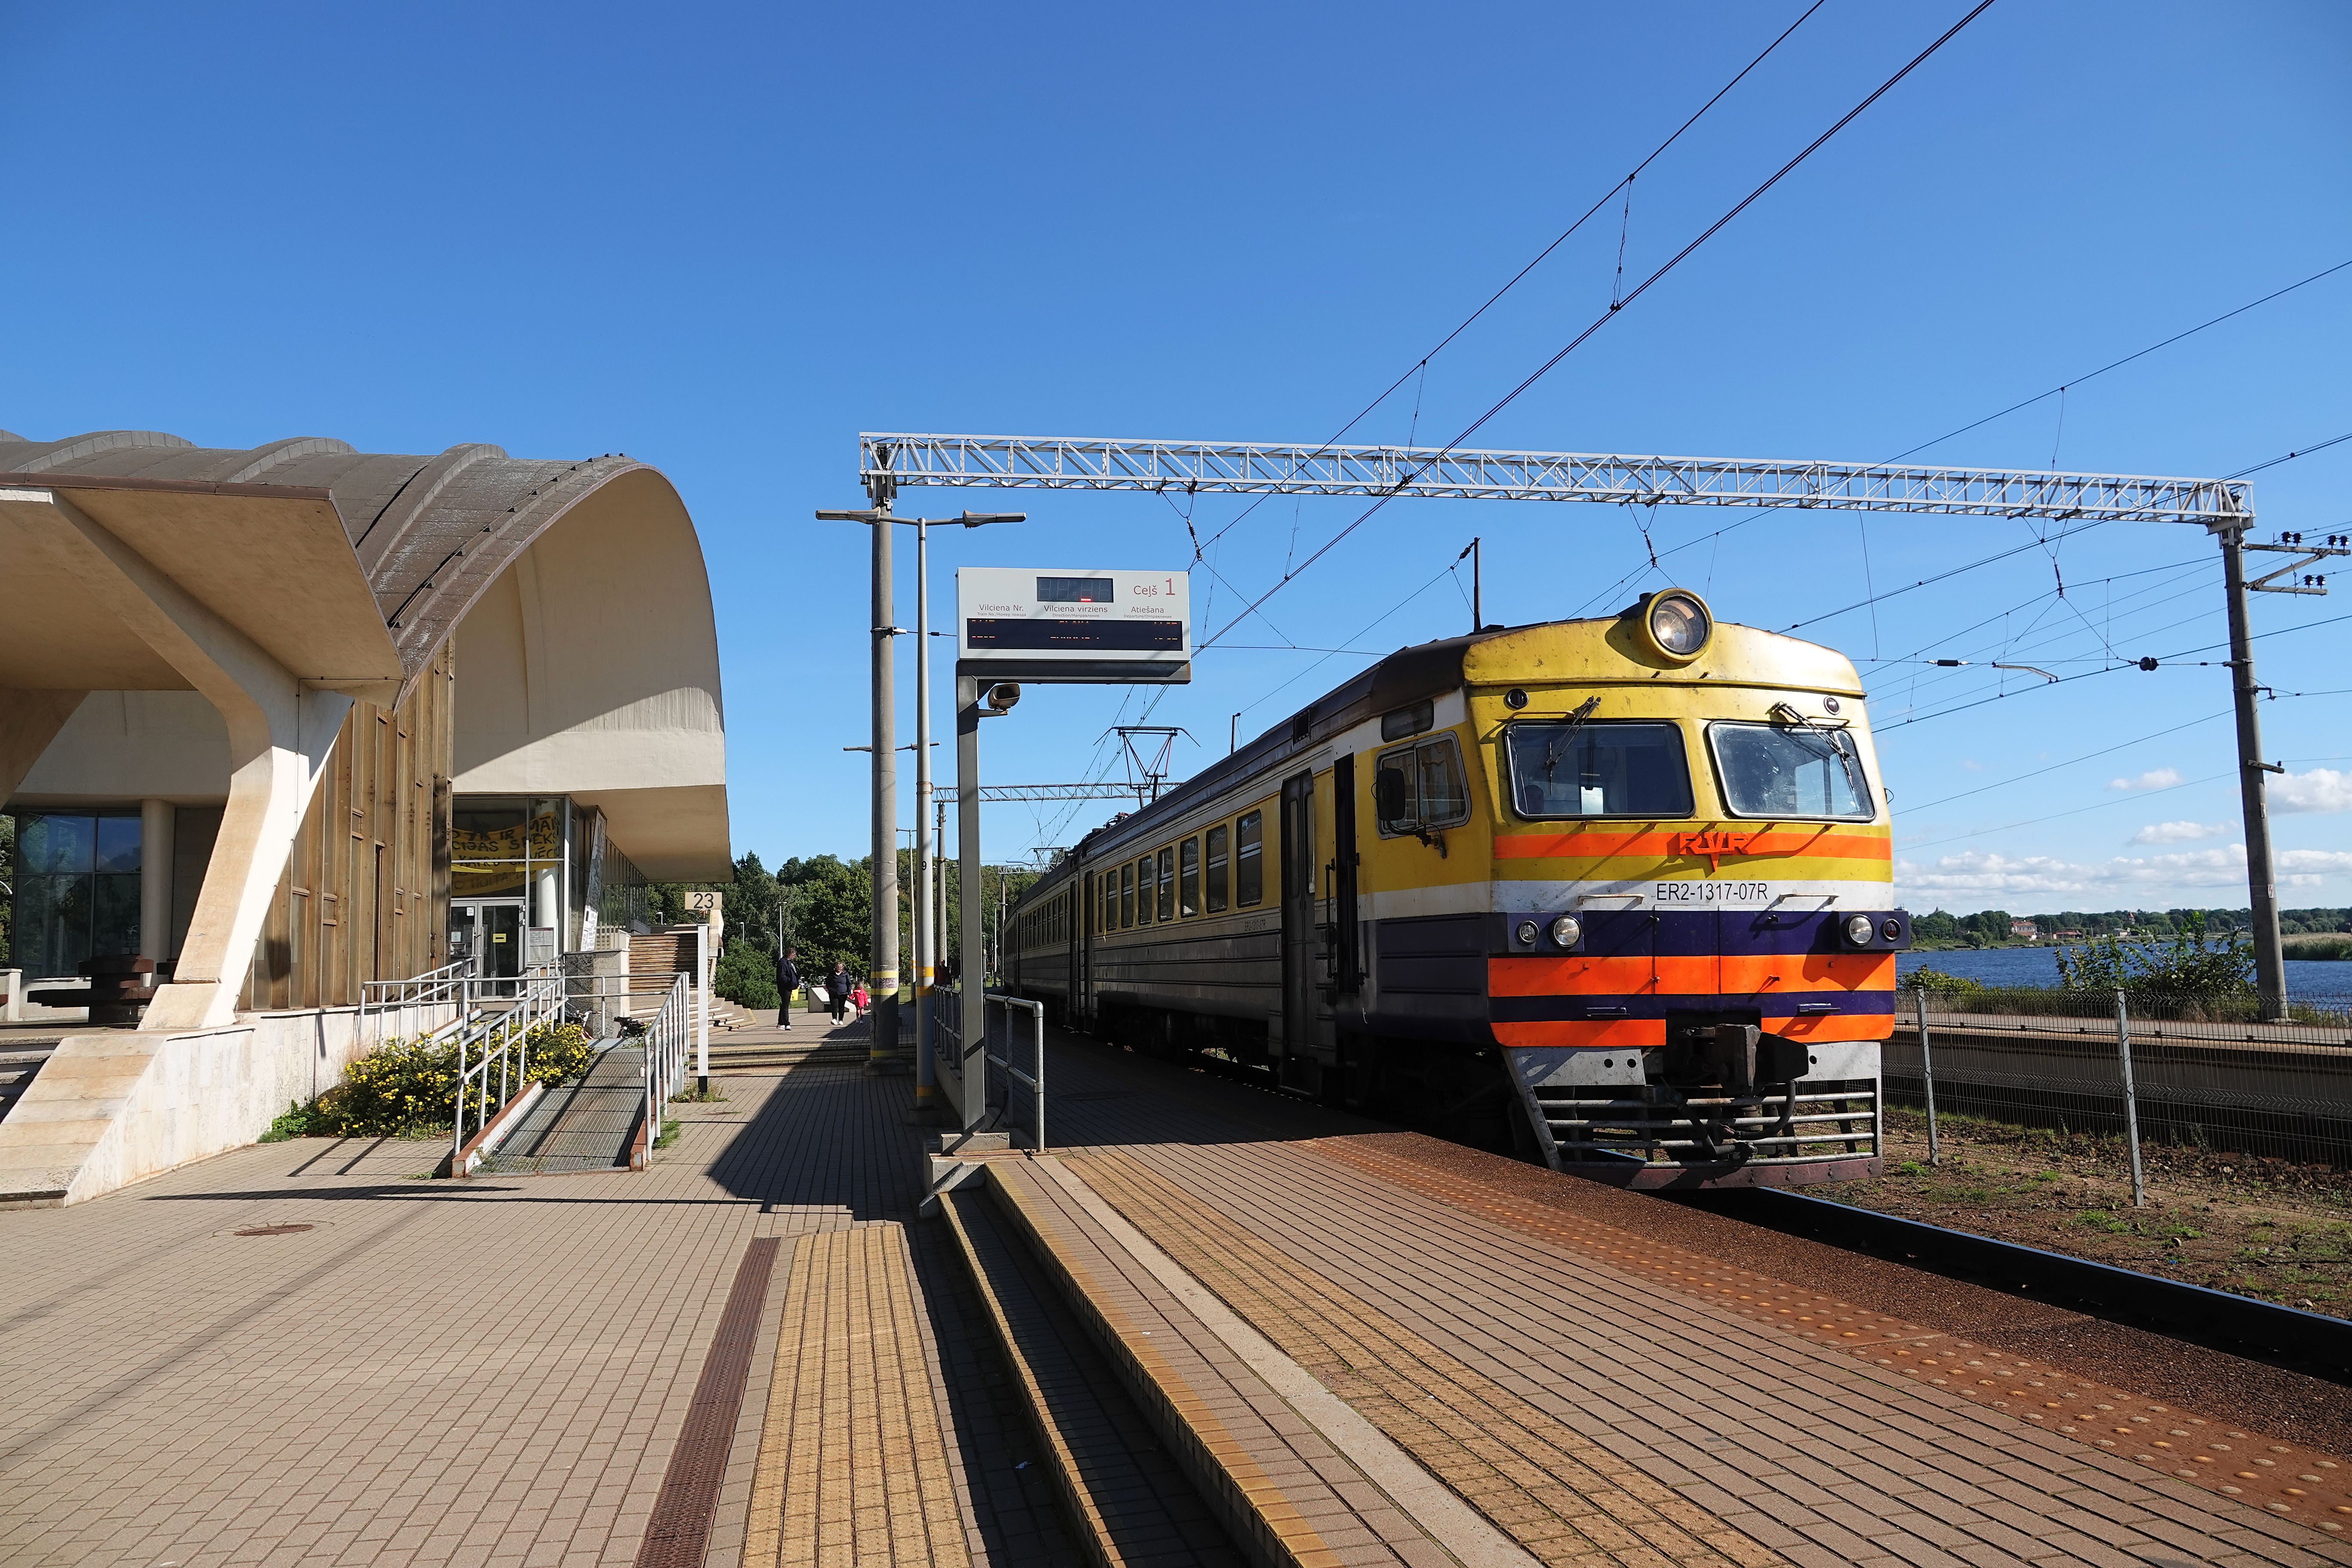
(384, 999)
(1036, 1084)
(499, 1038)
(666, 1039)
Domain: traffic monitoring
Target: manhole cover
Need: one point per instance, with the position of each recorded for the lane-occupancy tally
(273, 1230)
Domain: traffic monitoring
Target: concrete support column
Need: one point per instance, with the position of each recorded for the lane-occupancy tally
(280, 733)
(155, 820)
(29, 720)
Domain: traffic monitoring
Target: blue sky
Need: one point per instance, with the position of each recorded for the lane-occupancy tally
(727, 239)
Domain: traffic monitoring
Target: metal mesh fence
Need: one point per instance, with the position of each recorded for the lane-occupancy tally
(2203, 1072)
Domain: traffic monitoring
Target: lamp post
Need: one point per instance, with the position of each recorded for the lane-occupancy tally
(884, 1045)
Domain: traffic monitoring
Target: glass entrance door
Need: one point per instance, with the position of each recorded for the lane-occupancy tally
(488, 932)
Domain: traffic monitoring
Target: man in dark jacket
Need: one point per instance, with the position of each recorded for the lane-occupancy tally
(788, 979)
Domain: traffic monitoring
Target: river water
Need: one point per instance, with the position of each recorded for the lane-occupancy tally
(2306, 978)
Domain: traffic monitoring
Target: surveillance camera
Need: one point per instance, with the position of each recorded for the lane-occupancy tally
(1000, 698)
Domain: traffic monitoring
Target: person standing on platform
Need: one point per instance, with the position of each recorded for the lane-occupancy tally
(788, 979)
(837, 991)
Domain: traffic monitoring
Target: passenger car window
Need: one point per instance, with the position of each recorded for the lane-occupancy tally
(1429, 790)
(1143, 892)
(1188, 885)
(1249, 859)
(1217, 869)
(1791, 770)
(1613, 768)
(1126, 897)
(1168, 884)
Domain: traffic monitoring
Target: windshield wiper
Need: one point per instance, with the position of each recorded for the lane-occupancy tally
(1576, 719)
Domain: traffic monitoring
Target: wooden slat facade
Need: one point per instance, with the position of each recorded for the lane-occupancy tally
(365, 894)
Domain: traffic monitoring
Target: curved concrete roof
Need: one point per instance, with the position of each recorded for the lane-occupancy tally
(593, 669)
(430, 534)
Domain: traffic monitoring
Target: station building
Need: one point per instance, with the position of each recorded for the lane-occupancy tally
(285, 721)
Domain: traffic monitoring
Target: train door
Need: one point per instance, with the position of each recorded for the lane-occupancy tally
(1300, 965)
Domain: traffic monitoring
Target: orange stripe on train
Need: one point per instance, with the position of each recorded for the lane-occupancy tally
(1638, 1034)
(1713, 847)
(1736, 974)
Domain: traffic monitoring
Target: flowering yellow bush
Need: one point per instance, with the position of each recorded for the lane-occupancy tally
(402, 1088)
(408, 1089)
(558, 1051)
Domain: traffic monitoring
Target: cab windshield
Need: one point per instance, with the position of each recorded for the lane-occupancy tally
(1791, 770)
(1613, 768)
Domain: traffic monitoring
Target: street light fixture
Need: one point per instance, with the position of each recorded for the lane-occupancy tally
(884, 1044)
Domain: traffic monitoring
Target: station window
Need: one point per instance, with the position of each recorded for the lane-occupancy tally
(1249, 859)
(1188, 878)
(1427, 789)
(1126, 897)
(1217, 869)
(1168, 884)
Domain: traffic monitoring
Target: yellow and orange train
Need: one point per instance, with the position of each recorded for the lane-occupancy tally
(1612, 893)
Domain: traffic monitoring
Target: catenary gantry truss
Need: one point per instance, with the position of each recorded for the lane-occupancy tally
(1242, 467)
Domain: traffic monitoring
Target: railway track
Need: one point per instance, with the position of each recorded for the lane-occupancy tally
(2284, 1337)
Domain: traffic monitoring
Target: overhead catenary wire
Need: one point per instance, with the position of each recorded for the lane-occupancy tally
(1616, 308)
(1420, 365)
(1717, 535)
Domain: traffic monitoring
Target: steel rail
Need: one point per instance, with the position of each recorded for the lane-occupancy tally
(1241, 468)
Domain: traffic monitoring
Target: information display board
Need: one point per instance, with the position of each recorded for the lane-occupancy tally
(1033, 617)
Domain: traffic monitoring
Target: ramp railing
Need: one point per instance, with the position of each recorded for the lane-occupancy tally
(498, 1044)
(668, 1040)
(390, 1009)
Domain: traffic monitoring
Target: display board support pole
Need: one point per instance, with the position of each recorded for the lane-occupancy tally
(927, 961)
(971, 970)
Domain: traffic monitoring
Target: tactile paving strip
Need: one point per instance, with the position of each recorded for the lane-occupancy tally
(2287, 1479)
(854, 1466)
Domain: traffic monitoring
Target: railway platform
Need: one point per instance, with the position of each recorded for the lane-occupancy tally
(1607, 1377)
(1213, 1325)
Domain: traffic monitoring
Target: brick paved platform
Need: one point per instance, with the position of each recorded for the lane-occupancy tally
(1610, 1380)
(1358, 1345)
(306, 1352)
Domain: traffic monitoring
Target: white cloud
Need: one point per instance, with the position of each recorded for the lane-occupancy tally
(1984, 873)
(1972, 764)
(2178, 832)
(2158, 778)
(2316, 860)
(2321, 789)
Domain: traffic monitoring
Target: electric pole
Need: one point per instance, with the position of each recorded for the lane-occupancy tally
(2261, 883)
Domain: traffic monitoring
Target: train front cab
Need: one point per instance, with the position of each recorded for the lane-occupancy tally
(1692, 973)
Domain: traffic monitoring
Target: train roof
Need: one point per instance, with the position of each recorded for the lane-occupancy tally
(1736, 653)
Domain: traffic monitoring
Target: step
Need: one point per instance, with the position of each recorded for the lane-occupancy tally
(1294, 1475)
(1120, 1486)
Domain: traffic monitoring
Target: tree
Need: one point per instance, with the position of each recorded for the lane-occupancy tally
(746, 975)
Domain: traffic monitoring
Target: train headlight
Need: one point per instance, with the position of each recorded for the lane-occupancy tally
(1675, 625)
(1527, 933)
(1859, 929)
(1566, 931)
